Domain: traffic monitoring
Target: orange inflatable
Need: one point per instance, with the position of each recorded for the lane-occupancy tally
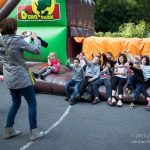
(115, 45)
(2, 2)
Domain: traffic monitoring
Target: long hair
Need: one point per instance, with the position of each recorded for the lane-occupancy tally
(147, 59)
(124, 57)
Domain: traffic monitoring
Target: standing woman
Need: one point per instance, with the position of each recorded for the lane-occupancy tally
(16, 76)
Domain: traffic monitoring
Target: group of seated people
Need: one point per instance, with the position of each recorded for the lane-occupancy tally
(129, 71)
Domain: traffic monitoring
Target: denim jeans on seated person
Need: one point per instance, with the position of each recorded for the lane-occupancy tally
(138, 90)
(98, 83)
(76, 85)
(29, 96)
(137, 86)
(131, 82)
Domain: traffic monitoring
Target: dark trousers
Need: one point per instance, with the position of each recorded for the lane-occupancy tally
(137, 91)
(118, 82)
(98, 83)
(146, 84)
(130, 82)
(29, 96)
(85, 84)
(137, 86)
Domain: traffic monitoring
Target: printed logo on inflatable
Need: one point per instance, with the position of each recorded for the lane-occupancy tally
(39, 10)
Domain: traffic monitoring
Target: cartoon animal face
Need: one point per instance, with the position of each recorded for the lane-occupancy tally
(43, 7)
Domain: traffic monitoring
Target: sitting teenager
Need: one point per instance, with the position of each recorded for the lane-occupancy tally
(135, 81)
(77, 77)
(119, 79)
(144, 64)
(53, 66)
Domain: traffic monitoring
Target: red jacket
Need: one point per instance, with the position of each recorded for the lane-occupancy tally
(55, 63)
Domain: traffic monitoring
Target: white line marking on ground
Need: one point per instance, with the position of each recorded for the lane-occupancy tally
(50, 128)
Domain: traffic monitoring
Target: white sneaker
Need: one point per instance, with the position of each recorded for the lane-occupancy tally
(10, 132)
(35, 134)
(113, 101)
(119, 103)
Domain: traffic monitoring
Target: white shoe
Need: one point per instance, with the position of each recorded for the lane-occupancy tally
(119, 103)
(113, 101)
(10, 132)
(35, 134)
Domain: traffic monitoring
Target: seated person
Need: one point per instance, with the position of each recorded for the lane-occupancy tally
(108, 58)
(136, 81)
(146, 73)
(77, 77)
(119, 79)
(92, 73)
(105, 78)
(98, 55)
(53, 66)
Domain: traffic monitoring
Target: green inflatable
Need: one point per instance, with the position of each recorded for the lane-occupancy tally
(56, 22)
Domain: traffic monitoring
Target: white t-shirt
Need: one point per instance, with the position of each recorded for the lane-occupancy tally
(122, 70)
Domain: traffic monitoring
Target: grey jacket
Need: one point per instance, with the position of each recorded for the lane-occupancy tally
(15, 75)
(92, 70)
(77, 72)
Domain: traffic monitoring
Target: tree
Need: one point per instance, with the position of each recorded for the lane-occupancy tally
(110, 14)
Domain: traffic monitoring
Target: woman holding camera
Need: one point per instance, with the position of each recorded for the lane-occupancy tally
(16, 77)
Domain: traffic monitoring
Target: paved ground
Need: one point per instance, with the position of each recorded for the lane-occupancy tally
(83, 126)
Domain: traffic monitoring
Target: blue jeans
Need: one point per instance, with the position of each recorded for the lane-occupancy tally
(137, 91)
(98, 83)
(137, 86)
(29, 95)
(131, 82)
(76, 85)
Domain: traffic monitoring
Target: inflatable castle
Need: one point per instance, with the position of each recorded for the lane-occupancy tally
(57, 22)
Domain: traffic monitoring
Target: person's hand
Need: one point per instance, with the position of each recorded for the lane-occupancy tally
(125, 50)
(126, 66)
(85, 56)
(90, 80)
(102, 52)
(78, 56)
(33, 35)
(49, 63)
(24, 33)
(105, 69)
(68, 61)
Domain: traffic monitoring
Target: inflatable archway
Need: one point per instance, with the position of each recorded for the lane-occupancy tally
(55, 21)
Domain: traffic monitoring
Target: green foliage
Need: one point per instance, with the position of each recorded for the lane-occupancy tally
(111, 14)
(128, 30)
(100, 34)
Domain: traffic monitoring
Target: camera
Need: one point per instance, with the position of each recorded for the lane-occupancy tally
(29, 33)
(43, 43)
